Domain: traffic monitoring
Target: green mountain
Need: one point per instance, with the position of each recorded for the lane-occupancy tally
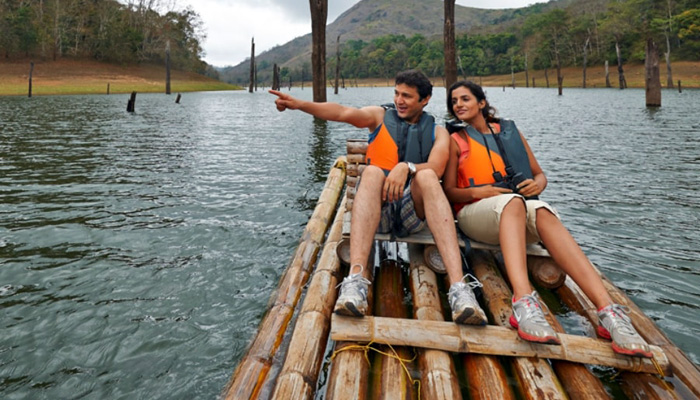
(370, 19)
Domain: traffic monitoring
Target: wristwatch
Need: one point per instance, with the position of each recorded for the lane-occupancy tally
(411, 168)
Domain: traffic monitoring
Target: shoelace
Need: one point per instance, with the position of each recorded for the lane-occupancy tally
(531, 307)
(620, 319)
(473, 284)
(354, 278)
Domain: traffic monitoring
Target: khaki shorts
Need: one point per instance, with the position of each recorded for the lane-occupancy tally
(481, 220)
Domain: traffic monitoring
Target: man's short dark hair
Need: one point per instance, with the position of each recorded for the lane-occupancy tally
(416, 79)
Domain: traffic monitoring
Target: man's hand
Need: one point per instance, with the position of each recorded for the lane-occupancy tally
(395, 183)
(285, 101)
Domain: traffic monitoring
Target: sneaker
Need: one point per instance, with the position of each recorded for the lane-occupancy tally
(465, 308)
(352, 300)
(528, 318)
(616, 325)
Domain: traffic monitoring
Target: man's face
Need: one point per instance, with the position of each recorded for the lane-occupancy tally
(407, 102)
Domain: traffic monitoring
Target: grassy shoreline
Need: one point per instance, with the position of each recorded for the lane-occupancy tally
(687, 72)
(67, 76)
(64, 77)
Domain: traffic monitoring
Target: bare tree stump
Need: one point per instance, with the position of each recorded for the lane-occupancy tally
(31, 71)
(131, 105)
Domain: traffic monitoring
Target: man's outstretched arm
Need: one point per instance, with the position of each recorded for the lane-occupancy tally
(365, 117)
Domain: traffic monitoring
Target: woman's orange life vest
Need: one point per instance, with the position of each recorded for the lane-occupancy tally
(474, 166)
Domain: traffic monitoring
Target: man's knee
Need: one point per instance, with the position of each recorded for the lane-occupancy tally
(372, 176)
(426, 177)
(372, 172)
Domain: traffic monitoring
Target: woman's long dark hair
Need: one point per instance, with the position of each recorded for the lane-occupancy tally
(488, 112)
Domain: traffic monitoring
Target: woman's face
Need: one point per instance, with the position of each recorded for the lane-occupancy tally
(465, 106)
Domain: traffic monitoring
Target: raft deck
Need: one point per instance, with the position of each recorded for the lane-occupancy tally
(413, 351)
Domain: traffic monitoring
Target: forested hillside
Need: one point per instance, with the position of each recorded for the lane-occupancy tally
(104, 30)
(381, 37)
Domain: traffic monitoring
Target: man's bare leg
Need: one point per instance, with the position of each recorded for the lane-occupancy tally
(354, 291)
(432, 205)
(366, 212)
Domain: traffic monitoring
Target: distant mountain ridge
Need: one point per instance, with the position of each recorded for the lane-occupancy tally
(369, 19)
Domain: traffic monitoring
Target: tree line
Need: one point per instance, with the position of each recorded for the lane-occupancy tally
(589, 32)
(107, 30)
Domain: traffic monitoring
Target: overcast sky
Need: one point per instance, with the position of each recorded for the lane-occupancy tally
(230, 24)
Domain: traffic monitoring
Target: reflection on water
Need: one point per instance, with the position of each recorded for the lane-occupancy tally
(139, 250)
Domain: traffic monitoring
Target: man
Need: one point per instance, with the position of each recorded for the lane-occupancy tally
(399, 189)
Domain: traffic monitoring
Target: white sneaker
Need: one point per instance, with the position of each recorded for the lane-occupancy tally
(352, 300)
(465, 308)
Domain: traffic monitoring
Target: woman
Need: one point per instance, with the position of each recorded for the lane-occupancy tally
(499, 205)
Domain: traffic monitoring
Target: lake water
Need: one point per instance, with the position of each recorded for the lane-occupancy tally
(138, 251)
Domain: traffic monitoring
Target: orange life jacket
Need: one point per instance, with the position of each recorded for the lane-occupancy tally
(395, 140)
(475, 168)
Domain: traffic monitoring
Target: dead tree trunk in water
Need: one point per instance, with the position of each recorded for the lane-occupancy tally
(252, 65)
(167, 67)
(607, 74)
(527, 76)
(31, 71)
(337, 63)
(131, 104)
(669, 74)
(275, 77)
(620, 70)
(585, 59)
(319, 14)
(560, 78)
(652, 78)
(449, 39)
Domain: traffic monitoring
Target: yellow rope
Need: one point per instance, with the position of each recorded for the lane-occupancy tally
(661, 377)
(341, 163)
(366, 348)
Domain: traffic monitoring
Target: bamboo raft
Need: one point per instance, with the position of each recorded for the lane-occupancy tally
(413, 351)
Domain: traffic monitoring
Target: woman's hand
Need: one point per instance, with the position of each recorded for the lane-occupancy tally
(529, 188)
(486, 191)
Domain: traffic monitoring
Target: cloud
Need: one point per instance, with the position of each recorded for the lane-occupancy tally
(230, 26)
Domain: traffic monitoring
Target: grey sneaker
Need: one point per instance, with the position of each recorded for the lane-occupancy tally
(616, 325)
(465, 308)
(528, 318)
(352, 300)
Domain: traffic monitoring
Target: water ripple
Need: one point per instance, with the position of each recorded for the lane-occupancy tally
(138, 251)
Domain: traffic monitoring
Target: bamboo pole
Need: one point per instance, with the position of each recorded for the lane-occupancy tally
(645, 385)
(682, 367)
(578, 381)
(357, 159)
(300, 371)
(390, 380)
(536, 377)
(545, 272)
(438, 376)
(255, 365)
(356, 146)
(486, 377)
(349, 375)
(490, 340)
(356, 170)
